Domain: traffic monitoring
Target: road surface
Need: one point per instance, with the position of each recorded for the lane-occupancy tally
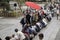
(52, 31)
(7, 26)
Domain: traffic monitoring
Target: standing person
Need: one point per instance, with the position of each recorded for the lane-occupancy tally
(36, 16)
(23, 21)
(41, 36)
(31, 18)
(20, 35)
(59, 8)
(41, 14)
(57, 13)
(51, 7)
(28, 18)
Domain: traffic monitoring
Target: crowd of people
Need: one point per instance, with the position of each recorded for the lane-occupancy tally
(32, 23)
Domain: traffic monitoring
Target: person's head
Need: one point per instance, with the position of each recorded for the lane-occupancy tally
(0, 39)
(41, 36)
(16, 30)
(41, 8)
(13, 35)
(7, 38)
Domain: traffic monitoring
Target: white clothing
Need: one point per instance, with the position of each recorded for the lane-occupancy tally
(38, 24)
(45, 21)
(15, 38)
(20, 35)
(33, 28)
(12, 39)
(50, 15)
(57, 11)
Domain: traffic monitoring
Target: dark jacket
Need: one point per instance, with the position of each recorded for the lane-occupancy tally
(28, 18)
(23, 22)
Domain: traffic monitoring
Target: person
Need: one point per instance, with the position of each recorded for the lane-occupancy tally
(28, 18)
(40, 14)
(0, 39)
(51, 7)
(57, 13)
(27, 36)
(36, 16)
(45, 20)
(32, 18)
(23, 21)
(20, 35)
(14, 37)
(34, 27)
(38, 24)
(41, 36)
(7, 37)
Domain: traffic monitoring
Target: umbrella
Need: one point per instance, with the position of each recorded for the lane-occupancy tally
(33, 5)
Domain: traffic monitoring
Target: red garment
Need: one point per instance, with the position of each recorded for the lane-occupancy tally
(42, 12)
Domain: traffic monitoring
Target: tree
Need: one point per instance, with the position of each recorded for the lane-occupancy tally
(4, 0)
(32, 0)
(44, 0)
(5, 4)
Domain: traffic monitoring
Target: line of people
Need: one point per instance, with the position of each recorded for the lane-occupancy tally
(32, 23)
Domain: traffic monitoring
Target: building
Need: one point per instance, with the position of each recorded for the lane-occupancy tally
(12, 5)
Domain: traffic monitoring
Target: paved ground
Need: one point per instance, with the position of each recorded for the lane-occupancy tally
(51, 32)
(7, 26)
(58, 35)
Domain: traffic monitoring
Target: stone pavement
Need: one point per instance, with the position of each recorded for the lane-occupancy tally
(7, 26)
(58, 35)
(51, 31)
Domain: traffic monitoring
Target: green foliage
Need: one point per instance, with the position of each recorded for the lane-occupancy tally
(20, 1)
(5, 4)
(32, 0)
(14, 14)
(43, 0)
(7, 7)
(4, 0)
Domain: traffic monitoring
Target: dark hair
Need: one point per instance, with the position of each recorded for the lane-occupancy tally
(0, 39)
(16, 30)
(7, 37)
(41, 8)
(13, 35)
(41, 36)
